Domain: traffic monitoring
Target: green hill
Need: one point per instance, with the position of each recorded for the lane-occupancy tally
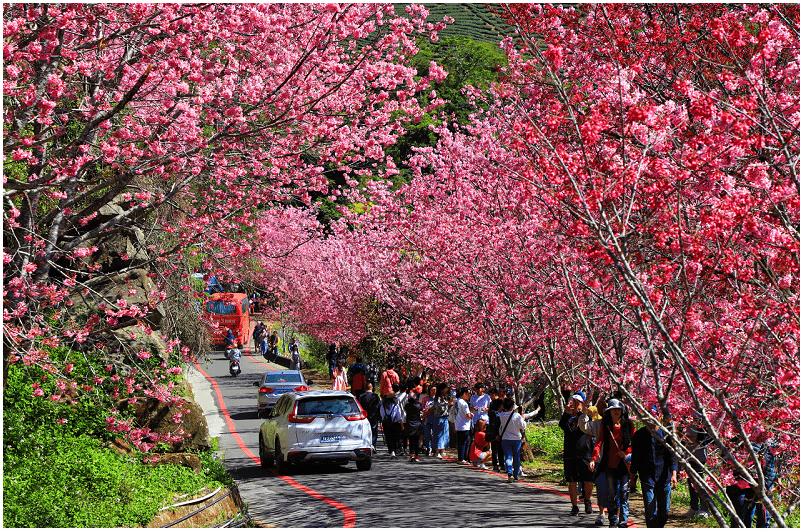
(475, 21)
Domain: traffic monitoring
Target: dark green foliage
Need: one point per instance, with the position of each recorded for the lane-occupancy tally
(468, 50)
(67, 481)
(26, 416)
(59, 474)
(467, 62)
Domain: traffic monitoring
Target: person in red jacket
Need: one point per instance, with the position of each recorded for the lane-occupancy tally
(613, 458)
(479, 452)
(388, 378)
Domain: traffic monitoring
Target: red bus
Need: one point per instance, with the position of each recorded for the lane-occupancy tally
(228, 310)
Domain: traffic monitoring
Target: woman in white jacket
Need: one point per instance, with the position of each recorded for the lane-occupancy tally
(512, 431)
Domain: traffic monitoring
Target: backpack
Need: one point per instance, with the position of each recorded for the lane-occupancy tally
(386, 415)
(359, 382)
(372, 375)
(493, 427)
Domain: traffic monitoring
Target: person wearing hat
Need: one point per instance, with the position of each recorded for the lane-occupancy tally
(577, 452)
(591, 422)
(610, 455)
(657, 468)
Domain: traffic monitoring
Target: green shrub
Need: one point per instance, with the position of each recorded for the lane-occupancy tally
(315, 354)
(56, 471)
(547, 439)
(22, 411)
(74, 482)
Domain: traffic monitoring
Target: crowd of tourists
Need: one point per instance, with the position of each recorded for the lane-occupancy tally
(603, 451)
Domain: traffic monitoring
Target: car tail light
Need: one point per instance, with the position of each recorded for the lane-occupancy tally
(266, 390)
(301, 388)
(292, 417)
(358, 416)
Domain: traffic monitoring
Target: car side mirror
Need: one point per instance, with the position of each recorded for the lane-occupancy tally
(310, 382)
(256, 384)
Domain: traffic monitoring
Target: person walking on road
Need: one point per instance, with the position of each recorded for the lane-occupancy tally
(388, 377)
(332, 358)
(339, 377)
(357, 377)
(427, 399)
(617, 433)
(463, 423)
(591, 422)
(294, 355)
(577, 453)
(273, 345)
(413, 426)
(392, 422)
(401, 397)
(493, 429)
(372, 405)
(657, 468)
(511, 434)
(260, 337)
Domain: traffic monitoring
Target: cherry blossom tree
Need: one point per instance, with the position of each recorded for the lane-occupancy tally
(628, 205)
(180, 123)
(669, 134)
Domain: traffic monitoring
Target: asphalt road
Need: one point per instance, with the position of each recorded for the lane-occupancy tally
(393, 494)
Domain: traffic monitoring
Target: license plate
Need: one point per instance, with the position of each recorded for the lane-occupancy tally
(330, 438)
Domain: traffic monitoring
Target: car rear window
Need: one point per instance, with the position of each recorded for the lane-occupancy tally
(335, 405)
(278, 378)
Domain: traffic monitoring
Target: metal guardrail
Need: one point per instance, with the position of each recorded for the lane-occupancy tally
(238, 521)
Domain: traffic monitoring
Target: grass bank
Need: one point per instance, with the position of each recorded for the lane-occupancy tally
(59, 469)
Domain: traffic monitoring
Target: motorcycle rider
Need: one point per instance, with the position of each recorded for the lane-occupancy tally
(235, 357)
(230, 342)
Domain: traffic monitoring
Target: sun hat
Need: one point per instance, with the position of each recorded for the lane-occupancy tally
(614, 404)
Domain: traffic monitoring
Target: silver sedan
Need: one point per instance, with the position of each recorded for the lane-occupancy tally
(276, 383)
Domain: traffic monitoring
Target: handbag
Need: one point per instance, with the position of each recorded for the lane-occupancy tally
(627, 463)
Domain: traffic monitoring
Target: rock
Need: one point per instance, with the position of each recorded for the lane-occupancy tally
(123, 249)
(134, 287)
(159, 418)
(181, 459)
(120, 446)
(151, 343)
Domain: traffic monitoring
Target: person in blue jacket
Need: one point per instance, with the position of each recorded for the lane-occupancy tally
(657, 468)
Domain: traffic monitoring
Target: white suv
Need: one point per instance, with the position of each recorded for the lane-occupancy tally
(313, 426)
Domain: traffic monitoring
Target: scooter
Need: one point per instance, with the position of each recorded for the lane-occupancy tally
(234, 367)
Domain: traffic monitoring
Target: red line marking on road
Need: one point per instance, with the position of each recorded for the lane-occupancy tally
(349, 514)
